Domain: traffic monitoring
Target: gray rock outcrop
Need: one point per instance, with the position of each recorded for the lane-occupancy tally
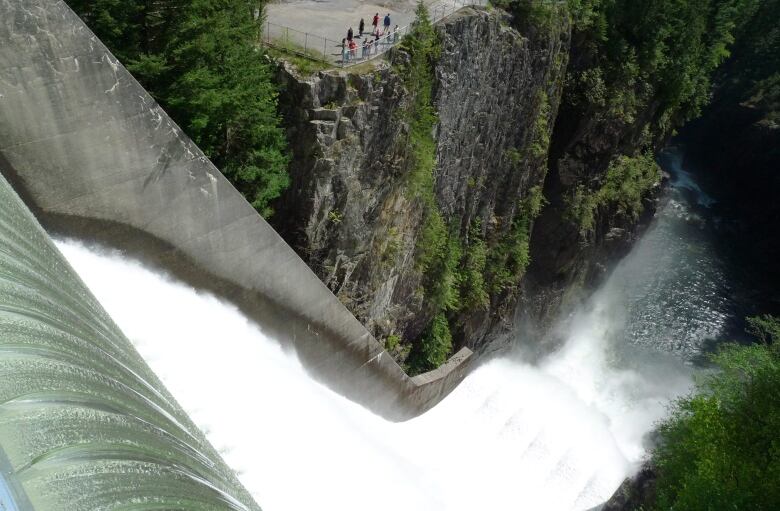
(348, 212)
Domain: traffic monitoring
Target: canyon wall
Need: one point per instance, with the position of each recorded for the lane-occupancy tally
(353, 216)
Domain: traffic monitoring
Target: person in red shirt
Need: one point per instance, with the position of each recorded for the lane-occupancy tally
(375, 23)
(352, 49)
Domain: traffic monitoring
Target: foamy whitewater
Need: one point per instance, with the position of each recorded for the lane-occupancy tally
(560, 435)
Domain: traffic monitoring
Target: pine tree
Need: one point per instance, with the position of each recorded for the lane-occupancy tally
(200, 61)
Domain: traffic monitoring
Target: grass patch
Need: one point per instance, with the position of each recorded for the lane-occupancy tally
(304, 65)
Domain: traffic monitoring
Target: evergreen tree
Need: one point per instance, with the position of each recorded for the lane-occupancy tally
(720, 448)
(200, 61)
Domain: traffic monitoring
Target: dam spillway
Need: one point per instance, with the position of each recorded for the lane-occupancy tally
(84, 423)
(559, 434)
(96, 158)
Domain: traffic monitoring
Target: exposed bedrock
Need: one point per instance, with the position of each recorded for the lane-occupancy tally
(350, 213)
(351, 216)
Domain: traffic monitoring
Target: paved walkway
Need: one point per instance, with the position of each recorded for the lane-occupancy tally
(320, 25)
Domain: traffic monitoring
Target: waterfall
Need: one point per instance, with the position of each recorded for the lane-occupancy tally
(557, 435)
(84, 421)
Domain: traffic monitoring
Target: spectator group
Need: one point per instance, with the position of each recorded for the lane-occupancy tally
(372, 43)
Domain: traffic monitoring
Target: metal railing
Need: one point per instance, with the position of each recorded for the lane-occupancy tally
(327, 50)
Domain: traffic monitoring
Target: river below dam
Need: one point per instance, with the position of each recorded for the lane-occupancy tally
(559, 434)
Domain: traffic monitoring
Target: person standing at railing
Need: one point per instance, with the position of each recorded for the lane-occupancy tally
(396, 34)
(366, 48)
(387, 24)
(352, 49)
(344, 52)
(361, 27)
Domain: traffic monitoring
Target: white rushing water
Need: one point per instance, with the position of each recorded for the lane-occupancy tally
(559, 435)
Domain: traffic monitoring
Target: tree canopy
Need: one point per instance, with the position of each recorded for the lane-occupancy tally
(720, 448)
(200, 61)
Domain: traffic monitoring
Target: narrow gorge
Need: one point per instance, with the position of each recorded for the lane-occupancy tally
(517, 254)
(360, 216)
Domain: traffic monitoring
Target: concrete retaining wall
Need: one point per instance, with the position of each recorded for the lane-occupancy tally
(94, 155)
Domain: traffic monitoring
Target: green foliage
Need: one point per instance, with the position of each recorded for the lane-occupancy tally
(541, 139)
(753, 73)
(433, 348)
(766, 329)
(539, 13)
(391, 342)
(423, 47)
(656, 55)
(438, 247)
(198, 58)
(626, 183)
(439, 262)
(514, 157)
(471, 275)
(581, 207)
(720, 448)
(304, 65)
(510, 257)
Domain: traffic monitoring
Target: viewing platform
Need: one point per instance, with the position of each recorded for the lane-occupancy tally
(316, 29)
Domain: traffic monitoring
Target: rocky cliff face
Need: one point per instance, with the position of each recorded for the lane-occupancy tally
(351, 215)
(349, 211)
(567, 257)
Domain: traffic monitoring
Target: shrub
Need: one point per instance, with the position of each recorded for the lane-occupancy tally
(626, 183)
(510, 258)
(433, 348)
(720, 448)
(473, 288)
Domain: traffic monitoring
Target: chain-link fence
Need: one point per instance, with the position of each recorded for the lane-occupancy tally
(321, 48)
(301, 43)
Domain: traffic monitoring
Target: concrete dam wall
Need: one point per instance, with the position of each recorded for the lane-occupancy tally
(84, 423)
(94, 156)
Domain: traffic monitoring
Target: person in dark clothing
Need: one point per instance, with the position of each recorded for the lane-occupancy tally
(387, 24)
(361, 27)
(349, 34)
(375, 22)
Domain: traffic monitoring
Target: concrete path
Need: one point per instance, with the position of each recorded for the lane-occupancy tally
(320, 25)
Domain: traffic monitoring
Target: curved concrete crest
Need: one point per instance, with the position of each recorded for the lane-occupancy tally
(94, 155)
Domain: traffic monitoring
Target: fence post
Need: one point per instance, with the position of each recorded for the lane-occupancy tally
(268, 31)
(325, 48)
(305, 43)
(287, 38)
